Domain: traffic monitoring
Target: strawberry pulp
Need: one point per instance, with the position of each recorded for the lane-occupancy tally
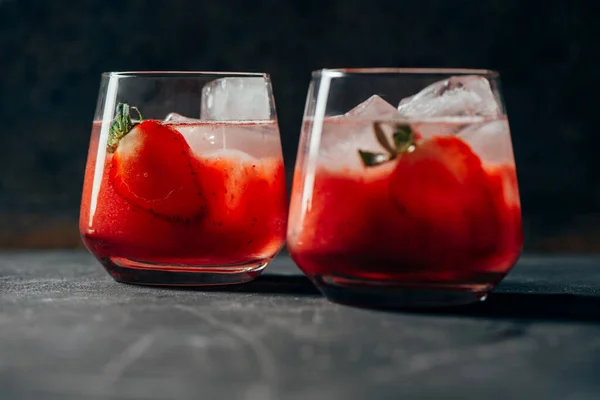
(158, 201)
(437, 216)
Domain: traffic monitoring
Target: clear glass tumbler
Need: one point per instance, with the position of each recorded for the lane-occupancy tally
(184, 183)
(405, 191)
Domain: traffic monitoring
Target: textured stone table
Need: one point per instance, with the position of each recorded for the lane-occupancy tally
(67, 331)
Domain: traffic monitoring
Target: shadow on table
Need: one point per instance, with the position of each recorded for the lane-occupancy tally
(530, 306)
(509, 305)
(290, 285)
(525, 302)
(297, 285)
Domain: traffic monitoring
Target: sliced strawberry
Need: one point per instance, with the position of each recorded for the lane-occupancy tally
(151, 168)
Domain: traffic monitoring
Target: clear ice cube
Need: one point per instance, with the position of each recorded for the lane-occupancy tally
(236, 99)
(444, 126)
(374, 108)
(233, 155)
(210, 139)
(468, 95)
(343, 136)
(199, 135)
(178, 118)
(202, 138)
(491, 141)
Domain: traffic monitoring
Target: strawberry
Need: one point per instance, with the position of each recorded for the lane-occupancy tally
(439, 177)
(151, 167)
(441, 183)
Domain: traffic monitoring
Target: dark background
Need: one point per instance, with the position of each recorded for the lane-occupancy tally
(52, 52)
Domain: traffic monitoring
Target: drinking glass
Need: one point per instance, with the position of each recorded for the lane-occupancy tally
(405, 191)
(184, 183)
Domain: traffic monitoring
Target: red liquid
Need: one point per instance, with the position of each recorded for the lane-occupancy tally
(353, 230)
(244, 222)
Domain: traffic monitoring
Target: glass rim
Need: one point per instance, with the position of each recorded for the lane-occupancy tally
(182, 74)
(341, 72)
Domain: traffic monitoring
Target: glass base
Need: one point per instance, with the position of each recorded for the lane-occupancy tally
(398, 295)
(136, 272)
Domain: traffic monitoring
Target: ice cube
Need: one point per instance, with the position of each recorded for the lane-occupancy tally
(374, 108)
(202, 138)
(234, 156)
(178, 118)
(207, 137)
(343, 136)
(444, 126)
(257, 139)
(236, 99)
(491, 141)
(468, 95)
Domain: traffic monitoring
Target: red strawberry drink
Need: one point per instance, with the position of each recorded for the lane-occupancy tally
(403, 203)
(183, 196)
